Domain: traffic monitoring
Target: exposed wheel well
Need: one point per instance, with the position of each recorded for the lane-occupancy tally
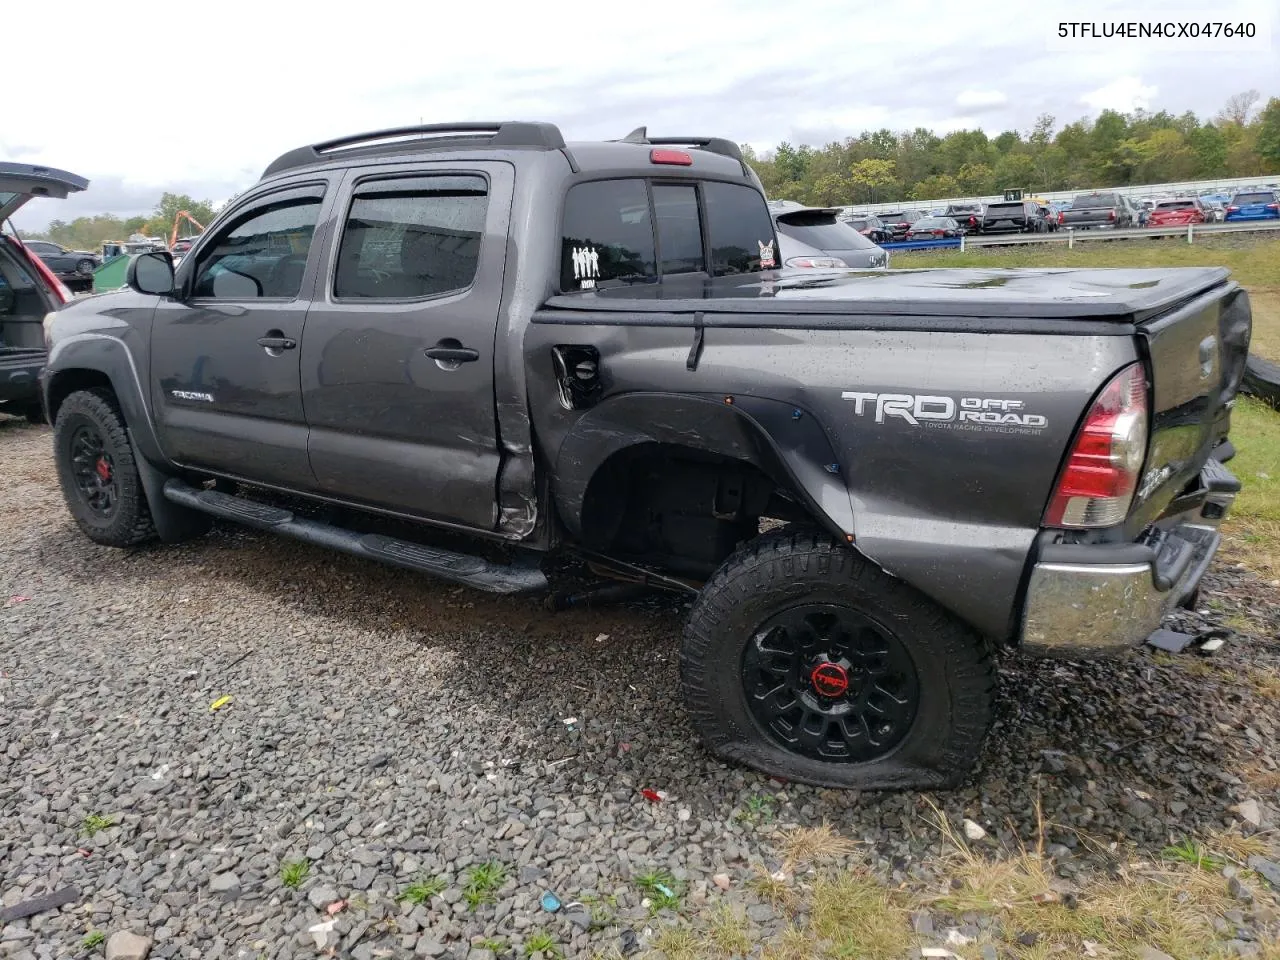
(66, 382)
(678, 508)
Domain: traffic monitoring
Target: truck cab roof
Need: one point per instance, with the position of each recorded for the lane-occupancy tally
(713, 156)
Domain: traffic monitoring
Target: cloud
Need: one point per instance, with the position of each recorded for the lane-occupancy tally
(1123, 93)
(734, 68)
(980, 100)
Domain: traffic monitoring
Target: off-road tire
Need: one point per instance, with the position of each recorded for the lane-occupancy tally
(129, 521)
(785, 569)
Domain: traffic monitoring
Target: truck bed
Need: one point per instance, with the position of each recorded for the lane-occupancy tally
(829, 299)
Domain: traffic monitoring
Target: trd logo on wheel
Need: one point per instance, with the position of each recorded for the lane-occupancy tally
(830, 679)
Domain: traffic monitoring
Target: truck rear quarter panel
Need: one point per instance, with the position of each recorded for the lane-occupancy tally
(948, 443)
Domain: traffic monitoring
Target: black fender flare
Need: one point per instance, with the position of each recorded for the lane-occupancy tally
(785, 441)
(109, 357)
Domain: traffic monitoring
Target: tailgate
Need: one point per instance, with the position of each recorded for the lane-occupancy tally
(1196, 355)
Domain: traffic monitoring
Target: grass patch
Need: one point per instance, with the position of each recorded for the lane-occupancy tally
(94, 823)
(1190, 852)
(679, 943)
(729, 931)
(758, 808)
(807, 845)
(662, 890)
(92, 939)
(495, 944)
(482, 882)
(422, 890)
(1252, 531)
(544, 943)
(293, 873)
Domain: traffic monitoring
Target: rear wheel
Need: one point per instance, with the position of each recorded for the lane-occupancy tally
(96, 469)
(808, 663)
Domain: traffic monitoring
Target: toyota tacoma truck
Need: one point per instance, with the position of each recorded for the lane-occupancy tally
(459, 349)
(1098, 211)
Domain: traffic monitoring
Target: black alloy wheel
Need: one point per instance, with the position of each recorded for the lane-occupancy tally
(829, 683)
(94, 471)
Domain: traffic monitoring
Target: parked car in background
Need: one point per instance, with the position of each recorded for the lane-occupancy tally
(1178, 213)
(181, 246)
(1254, 205)
(29, 288)
(965, 214)
(873, 228)
(934, 228)
(813, 238)
(899, 221)
(1104, 211)
(1048, 216)
(1010, 216)
(73, 267)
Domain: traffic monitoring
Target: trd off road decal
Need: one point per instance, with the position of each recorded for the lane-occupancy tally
(966, 413)
(766, 255)
(586, 267)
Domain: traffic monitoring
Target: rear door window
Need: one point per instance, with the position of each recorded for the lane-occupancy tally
(741, 229)
(608, 235)
(411, 238)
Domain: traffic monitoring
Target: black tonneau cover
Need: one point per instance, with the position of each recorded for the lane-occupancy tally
(1018, 295)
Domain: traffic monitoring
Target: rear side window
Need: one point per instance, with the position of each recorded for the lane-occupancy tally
(412, 238)
(608, 235)
(741, 229)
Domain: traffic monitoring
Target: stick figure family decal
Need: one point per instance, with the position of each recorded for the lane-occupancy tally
(586, 266)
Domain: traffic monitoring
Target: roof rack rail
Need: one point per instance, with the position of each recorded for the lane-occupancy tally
(545, 136)
(726, 148)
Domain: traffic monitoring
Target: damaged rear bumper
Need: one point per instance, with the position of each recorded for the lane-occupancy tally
(1101, 599)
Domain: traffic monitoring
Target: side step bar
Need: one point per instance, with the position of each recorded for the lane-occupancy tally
(520, 577)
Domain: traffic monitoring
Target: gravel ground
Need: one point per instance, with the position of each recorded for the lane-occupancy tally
(386, 728)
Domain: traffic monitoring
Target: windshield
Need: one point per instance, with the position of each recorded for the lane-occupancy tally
(1088, 201)
(1260, 197)
(823, 231)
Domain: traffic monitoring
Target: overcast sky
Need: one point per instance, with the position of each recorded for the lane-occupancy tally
(220, 89)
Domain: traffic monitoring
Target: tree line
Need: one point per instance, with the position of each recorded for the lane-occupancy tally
(90, 233)
(1112, 150)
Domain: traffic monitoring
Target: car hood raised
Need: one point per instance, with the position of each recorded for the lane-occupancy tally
(19, 182)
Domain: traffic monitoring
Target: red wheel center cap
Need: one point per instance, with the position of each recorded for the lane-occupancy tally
(104, 471)
(830, 679)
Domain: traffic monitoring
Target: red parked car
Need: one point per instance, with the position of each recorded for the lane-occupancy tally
(28, 288)
(1178, 213)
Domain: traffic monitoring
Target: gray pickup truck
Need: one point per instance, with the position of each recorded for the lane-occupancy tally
(1098, 211)
(460, 349)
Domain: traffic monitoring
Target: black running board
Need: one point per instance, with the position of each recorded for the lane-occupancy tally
(519, 577)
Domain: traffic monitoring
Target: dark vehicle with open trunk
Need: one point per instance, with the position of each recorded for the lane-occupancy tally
(535, 346)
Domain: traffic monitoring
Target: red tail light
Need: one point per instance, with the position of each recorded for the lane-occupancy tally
(1101, 473)
(1111, 215)
(677, 157)
(973, 221)
(1273, 206)
(1062, 217)
(1232, 209)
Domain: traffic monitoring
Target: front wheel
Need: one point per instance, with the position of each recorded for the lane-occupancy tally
(97, 472)
(808, 663)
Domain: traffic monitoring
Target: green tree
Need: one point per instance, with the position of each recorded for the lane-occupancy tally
(940, 186)
(976, 179)
(161, 222)
(1016, 171)
(1268, 135)
(871, 178)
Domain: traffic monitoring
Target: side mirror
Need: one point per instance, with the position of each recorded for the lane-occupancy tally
(151, 273)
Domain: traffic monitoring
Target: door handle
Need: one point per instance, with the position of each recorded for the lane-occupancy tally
(453, 354)
(277, 343)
